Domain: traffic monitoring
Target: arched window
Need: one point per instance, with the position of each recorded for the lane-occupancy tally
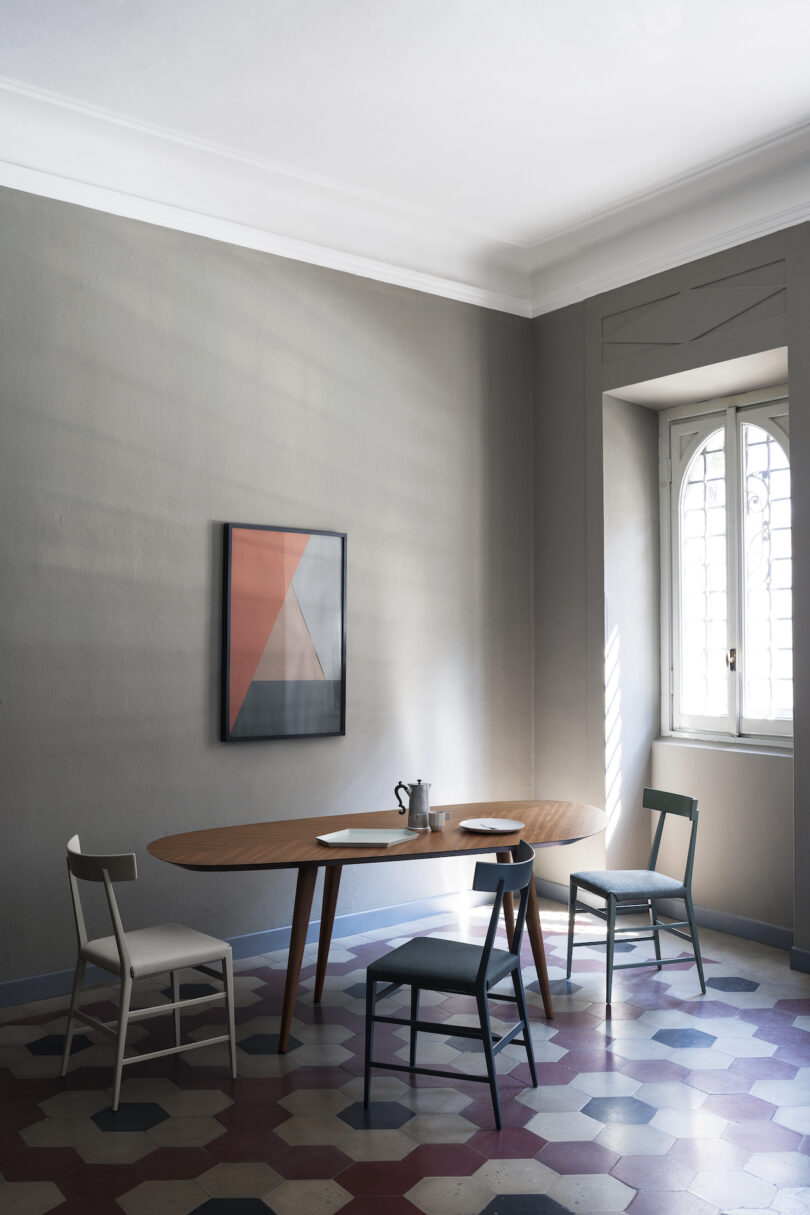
(728, 646)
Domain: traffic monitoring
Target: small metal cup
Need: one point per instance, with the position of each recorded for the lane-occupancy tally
(437, 819)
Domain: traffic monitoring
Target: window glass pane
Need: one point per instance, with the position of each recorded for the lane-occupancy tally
(703, 582)
(767, 578)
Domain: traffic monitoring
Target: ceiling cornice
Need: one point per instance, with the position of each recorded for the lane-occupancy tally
(55, 147)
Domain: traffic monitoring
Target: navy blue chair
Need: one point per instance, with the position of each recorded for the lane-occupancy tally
(434, 964)
(637, 890)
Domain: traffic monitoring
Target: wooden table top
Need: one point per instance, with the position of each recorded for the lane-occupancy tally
(288, 844)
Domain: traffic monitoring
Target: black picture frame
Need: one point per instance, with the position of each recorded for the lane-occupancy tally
(283, 633)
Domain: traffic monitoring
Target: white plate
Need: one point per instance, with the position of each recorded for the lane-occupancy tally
(367, 837)
(492, 825)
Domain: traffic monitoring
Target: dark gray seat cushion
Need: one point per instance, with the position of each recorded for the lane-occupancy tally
(440, 965)
(630, 883)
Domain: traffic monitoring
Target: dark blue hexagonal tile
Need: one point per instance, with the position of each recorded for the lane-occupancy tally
(54, 1044)
(468, 1044)
(357, 991)
(627, 1111)
(619, 947)
(732, 983)
(558, 987)
(232, 1206)
(681, 1038)
(265, 1044)
(380, 1115)
(193, 991)
(524, 1204)
(131, 1116)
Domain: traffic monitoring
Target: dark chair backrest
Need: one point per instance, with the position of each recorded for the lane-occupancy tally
(501, 878)
(681, 805)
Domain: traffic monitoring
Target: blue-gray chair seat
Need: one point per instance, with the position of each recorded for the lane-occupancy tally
(631, 883)
(440, 965)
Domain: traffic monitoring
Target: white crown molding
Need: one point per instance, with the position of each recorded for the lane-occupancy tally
(113, 202)
(78, 154)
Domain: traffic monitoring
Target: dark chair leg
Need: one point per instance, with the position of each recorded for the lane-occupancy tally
(414, 1018)
(483, 1014)
(655, 933)
(690, 915)
(572, 911)
(611, 937)
(371, 1001)
(520, 997)
(78, 979)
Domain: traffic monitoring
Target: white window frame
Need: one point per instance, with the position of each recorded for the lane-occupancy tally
(681, 431)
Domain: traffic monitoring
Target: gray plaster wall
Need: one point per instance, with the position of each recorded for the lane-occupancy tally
(632, 626)
(752, 298)
(156, 384)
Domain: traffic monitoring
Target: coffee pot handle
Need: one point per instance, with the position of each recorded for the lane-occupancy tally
(407, 788)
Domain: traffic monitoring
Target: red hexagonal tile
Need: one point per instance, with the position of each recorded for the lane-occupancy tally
(444, 1160)
(175, 1164)
(703, 1154)
(93, 1182)
(244, 1144)
(653, 1173)
(654, 1071)
(762, 1137)
(380, 1178)
(739, 1107)
(310, 1164)
(577, 1157)
(41, 1164)
(512, 1142)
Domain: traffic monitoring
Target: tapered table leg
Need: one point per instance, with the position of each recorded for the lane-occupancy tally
(331, 884)
(508, 899)
(538, 949)
(304, 890)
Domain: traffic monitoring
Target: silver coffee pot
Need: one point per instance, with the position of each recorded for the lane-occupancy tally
(418, 804)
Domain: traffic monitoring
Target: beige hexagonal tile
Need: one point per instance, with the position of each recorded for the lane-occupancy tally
(79, 1104)
(309, 1198)
(325, 1034)
(315, 1101)
(515, 1177)
(564, 1127)
(119, 1147)
(162, 1198)
(439, 1128)
(386, 1088)
(186, 1131)
(429, 1100)
(312, 1129)
(259, 1067)
(376, 1145)
(60, 1132)
(248, 1180)
(449, 1196)
(323, 1055)
(29, 1197)
(588, 1192)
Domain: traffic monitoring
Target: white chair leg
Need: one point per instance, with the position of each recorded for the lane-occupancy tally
(175, 998)
(120, 1046)
(227, 976)
(78, 979)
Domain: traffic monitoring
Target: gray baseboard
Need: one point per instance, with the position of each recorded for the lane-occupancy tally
(59, 983)
(800, 960)
(719, 921)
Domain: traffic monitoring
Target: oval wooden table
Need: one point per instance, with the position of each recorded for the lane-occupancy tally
(292, 844)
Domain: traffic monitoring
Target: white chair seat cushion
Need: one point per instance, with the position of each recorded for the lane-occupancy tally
(155, 950)
(630, 883)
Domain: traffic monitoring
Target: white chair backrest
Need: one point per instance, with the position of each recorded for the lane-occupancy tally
(87, 867)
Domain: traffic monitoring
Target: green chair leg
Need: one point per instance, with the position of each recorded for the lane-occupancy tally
(611, 937)
(690, 915)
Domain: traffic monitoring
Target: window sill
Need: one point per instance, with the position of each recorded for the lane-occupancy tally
(755, 746)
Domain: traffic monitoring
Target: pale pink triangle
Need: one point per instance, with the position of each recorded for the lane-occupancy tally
(289, 653)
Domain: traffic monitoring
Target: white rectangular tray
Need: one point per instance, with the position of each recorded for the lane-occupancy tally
(366, 837)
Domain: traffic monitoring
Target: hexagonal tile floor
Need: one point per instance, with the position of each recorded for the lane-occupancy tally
(669, 1103)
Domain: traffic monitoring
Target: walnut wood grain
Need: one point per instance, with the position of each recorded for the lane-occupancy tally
(292, 844)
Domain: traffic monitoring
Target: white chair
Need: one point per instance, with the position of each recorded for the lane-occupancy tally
(138, 955)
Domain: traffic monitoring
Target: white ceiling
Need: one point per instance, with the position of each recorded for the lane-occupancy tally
(518, 153)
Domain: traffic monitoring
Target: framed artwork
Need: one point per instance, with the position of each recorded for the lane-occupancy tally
(283, 633)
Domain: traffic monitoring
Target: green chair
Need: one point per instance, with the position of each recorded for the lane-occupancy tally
(638, 890)
(434, 964)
